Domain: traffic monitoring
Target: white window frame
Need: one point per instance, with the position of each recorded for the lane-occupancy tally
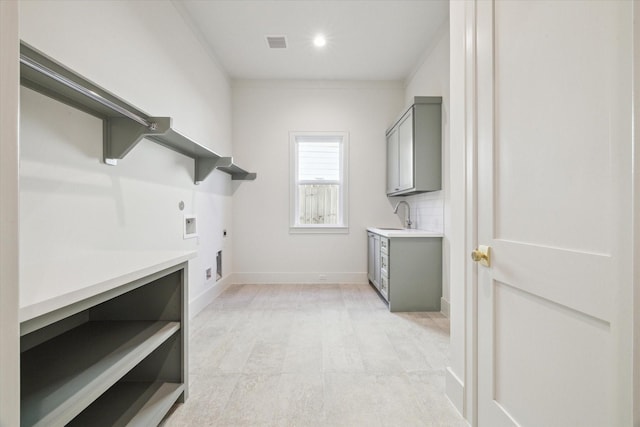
(343, 214)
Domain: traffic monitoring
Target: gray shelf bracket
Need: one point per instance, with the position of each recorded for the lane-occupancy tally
(205, 165)
(122, 134)
(244, 177)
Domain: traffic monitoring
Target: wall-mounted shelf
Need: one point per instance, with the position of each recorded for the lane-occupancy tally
(124, 124)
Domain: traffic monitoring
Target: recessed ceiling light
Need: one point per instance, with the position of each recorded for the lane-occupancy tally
(319, 41)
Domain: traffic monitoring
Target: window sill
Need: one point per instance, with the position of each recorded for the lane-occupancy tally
(319, 230)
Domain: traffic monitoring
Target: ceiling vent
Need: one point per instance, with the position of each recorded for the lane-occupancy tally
(277, 42)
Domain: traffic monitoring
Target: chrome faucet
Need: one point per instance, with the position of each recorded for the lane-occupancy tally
(395, 211)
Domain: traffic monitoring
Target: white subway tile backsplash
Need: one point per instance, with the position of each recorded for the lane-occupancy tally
(427, 211)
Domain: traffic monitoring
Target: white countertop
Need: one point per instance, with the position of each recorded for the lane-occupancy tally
(54, 284)
(403, 232)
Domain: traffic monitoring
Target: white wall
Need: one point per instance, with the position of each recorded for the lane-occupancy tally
(74, 206)
(432, 210)
(9, 329)
(264, 112)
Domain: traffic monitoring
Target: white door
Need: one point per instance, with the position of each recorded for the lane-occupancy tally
(554, 152)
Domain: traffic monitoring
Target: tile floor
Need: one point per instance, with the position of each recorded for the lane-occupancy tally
(314, 355)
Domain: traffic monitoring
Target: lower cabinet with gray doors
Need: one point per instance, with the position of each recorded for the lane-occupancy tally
(408, 268)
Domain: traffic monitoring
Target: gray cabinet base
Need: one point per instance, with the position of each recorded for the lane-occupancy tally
(415, 273)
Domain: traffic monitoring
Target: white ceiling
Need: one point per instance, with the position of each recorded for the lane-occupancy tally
(366, 40)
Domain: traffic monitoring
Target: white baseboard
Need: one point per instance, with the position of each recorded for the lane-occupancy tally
(454, 390)
(444, 307)
(308, 278)
(197, 304)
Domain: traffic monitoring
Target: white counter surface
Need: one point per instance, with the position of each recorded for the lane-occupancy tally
(403, 232)
(57, 283)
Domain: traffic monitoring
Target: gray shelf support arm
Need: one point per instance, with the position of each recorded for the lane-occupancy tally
(122, 134)
(206, 165)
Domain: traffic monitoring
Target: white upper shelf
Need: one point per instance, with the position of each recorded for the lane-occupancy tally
(125, 124)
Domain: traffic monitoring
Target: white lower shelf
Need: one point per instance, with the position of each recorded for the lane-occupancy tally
(130, 404)
(63, 376)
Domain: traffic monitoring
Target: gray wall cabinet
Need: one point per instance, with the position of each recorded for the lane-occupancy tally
(408, 270)
(117, 358)
(414, 149)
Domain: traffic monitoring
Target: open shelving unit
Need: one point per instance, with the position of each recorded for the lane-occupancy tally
(124, 125)
(116, 358)
(81, 365)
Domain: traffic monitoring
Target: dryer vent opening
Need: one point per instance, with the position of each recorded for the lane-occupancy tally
(219, 266)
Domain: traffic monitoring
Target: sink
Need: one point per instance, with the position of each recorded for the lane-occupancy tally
(388, 228)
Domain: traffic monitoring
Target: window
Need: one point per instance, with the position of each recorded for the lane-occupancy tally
(319, 182)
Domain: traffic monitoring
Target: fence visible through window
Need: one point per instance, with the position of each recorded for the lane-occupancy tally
(318, 203)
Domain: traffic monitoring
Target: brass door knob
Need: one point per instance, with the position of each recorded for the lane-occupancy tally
(482, 255)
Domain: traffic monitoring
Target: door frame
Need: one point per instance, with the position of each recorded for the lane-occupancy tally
(636, 215)
(9, 192)
(631, 319)
(471, 213)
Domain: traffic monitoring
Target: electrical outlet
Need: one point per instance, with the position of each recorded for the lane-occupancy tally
(322, 277)
(209, 273)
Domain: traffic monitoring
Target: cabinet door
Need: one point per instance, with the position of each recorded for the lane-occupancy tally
(405, 151)
(371, 257)
(392, 162)
(376, 260)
